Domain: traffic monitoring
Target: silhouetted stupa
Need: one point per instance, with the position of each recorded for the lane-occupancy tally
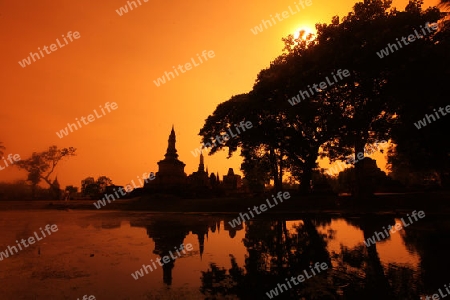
(200, 180)
(170, 173)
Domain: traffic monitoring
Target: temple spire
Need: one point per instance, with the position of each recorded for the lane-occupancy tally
(201, 166)
(171, 150)
(55, 182)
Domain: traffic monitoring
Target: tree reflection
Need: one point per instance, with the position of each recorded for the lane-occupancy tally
(360, 273)
(430, 239)
(274, 254)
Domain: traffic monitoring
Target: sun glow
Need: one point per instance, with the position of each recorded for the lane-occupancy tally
(303, 32)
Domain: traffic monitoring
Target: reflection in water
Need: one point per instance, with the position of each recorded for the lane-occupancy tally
(431, 241)
(244, 262)
(277, 250)
(169, 234)
(274, 255)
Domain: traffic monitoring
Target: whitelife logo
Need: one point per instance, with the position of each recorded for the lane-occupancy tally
(90, 118)
(166, 259)
(340, 166)
(285, 14)
(124, 9)
(16, 158)
(274, 292)
(225, 137)
(379, 235)
(188, 66)
(27, 61)
(423, 123)
(48, 228)
(436, 296)
(237, 221)
(123, 192)
(391, 48)
(322, 86)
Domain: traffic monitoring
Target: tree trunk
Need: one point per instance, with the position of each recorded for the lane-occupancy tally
(378, 283)
(33, 191)
(277, 175)
(360, 191)
(280, 174)
(46, 180)
(305, 182)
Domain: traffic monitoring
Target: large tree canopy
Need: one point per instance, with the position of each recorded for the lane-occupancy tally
(294, 119)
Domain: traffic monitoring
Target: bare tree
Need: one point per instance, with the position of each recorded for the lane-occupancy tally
(40, 165)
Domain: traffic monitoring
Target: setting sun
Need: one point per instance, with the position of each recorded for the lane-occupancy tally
(306, 31)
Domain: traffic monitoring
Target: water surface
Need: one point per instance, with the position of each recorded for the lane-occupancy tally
(95, 253)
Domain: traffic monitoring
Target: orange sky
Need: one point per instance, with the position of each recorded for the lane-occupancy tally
(116, 59)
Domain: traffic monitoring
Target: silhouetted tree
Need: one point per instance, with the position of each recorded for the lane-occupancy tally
(70, 191)
(365, 106)
(18, 190)
(350, 113)
(256, 168)
(103, 182)
(94, 188)
(265, 136)
(40, 165)
(418, 98)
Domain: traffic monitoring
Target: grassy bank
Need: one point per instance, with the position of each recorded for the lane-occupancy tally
(430, 202)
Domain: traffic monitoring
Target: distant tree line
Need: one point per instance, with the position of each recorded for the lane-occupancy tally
(40, 168)
(94, 189)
